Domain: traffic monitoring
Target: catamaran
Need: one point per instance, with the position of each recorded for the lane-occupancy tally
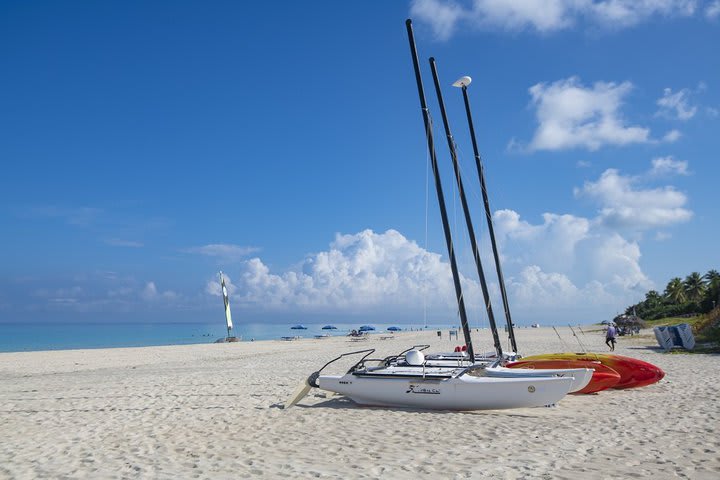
(408, 380)
(228, 316)
(412, 383)
(581, 376)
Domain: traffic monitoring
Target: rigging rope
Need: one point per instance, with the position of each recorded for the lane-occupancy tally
(577, 338)
(481, 318)
(561, 339)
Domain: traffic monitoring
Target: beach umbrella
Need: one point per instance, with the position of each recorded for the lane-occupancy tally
(298, 327)
(394, 329)
(329, 327)
(367, 328)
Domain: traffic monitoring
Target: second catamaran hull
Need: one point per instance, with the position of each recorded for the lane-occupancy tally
(456, 393)
(603, 377)
(581, 376)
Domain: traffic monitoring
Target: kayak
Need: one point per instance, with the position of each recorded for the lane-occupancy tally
(603, 377)
(634, 373)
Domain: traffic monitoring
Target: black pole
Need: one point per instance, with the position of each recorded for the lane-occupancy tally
(466, 211)
(488, 215)
(440, 195)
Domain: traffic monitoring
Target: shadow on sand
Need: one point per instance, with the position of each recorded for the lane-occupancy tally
(344, 403)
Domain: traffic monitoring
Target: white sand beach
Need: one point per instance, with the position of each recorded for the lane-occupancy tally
(215, 411)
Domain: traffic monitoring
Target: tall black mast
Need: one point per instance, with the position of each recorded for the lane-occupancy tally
(488, 215)
(466, 210)
(438, 188)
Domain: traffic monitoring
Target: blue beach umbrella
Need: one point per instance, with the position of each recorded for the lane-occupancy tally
(394, 329)
(298, 327)
(367, 328)
(329, 327)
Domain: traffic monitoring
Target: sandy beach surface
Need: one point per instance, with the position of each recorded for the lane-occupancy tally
(215, 411)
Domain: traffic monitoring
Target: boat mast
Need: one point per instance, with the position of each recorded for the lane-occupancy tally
(226, 300)
(466, 210)
(488, 215)
(438, 188)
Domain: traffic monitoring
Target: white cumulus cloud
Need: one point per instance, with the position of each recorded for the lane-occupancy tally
(663, 166)
(564, 268)
(626, 204)
(561, 268)
(676, 105)
(571, 115)
(443, 16)
(712, 11)
(591, 273)
(545, 16)
(672, 136)
(362, 272)
(625, 13)
(549, 244)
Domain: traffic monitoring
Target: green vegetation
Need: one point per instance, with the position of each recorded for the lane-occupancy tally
(695, 301)
(707, 328)
(696, 294)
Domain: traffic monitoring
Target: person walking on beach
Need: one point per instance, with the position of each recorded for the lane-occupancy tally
(610, 337)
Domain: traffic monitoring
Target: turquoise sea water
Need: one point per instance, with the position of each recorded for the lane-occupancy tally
(17, 337)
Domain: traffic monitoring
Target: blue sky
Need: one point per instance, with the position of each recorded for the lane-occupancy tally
(145, 146)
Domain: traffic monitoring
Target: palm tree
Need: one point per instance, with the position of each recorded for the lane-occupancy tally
(694, 287)
(675, 291)
(652, 298)
(713, 286)
(712, 277)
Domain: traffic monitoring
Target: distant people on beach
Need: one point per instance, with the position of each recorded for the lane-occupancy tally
(610, 336)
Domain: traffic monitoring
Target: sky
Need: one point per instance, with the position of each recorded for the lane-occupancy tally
(146, 146)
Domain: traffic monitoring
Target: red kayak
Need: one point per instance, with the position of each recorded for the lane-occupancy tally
(603, 376)
(633, 372)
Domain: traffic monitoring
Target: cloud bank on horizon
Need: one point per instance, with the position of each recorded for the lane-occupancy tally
(563, 268)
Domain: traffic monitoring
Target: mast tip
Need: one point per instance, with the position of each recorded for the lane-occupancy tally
(463, 81)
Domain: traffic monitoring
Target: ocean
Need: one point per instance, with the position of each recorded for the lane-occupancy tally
(20, 337)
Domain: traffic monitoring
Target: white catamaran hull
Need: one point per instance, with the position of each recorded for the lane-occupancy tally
(581, 376)
(455, 393)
